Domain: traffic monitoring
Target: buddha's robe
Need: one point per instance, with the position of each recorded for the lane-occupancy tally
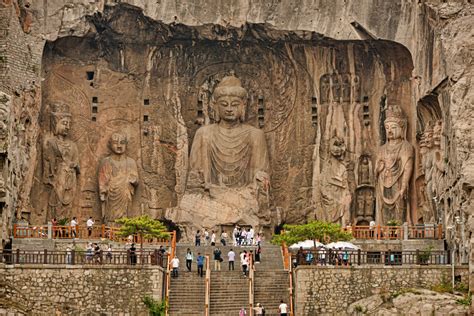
(229, 157)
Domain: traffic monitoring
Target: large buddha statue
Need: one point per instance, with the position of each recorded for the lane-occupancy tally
(394, 168)
(228, 179)
(118, 178)
(228, 153)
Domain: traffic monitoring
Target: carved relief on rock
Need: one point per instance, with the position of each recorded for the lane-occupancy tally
(365, 195)
(60, 164)
(117, 177)
(438, 167)
(426, 204)
(394, 169)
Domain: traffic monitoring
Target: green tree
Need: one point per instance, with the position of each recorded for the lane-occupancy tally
(143, 226)
(315, 230)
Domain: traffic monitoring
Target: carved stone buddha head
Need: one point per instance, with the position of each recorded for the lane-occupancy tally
(118, 143)
(395, 123)
(60, 119)
(229, 100)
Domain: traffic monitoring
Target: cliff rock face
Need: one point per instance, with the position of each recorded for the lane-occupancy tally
(321, 80)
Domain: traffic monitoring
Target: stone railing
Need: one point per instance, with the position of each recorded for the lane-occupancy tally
(403, 232)
(81, 232)
(74, 257)
(323, 257)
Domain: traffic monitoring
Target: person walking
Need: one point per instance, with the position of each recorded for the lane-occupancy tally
(234, 236)
(200, 264)
(175, 265)
(74, 227)
(197, 239)
(213, 239)
(224, 238)
(283, 309)
(242, 312)
(244, 261)
(258, 252)
(189, 259)
(133, 254)
(108, 255)
(258, 309)
(54, 225)
(89, 224)
(206, 237)
(217, 259)
(231, 258)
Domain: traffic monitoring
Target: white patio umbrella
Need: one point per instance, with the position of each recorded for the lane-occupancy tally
(342, 245)
(307, 244)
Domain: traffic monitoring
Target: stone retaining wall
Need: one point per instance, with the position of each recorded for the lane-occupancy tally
(78, 290)
(330, 290)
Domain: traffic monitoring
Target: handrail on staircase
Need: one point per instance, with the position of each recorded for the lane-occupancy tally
(168, 284)
(207, 298)
(288, 266)
(173, 243)
(251, 285)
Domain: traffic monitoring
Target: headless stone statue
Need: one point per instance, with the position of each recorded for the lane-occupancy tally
(228, 153)
(118, 177)
(60, 164)
(394, 168)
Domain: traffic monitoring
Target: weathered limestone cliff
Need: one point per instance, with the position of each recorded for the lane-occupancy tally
(340, 90)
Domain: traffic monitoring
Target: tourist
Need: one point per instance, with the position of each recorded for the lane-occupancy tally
(231, 257)
(217, 259)
(7, 251)
(234, 236)
(309, 257)
(258, 309)
(213, 239)
(74, 227)
(54, 224)
(224, 238)
(258, 252)
(89, 253)
(372, 228)
(243, 237)
(97, 254)
(89, 224)
(250, 236)
(242, 312)
(197, 239)
(259, 239)
(133, 254)
(200, 264)
(68, 255)
(189, 259)
(345, 257)
(175, 265)
(283, 309)
(206, 237)
(244, 261)
(322, 256)
(300, 258)
(108, 255)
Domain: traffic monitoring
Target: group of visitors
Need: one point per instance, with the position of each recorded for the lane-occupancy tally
(322, 256)
(260, 310)
(240, 237)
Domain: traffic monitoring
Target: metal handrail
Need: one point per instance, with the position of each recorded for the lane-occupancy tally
(251, 285)
(288, 266)
(207, 298)
(168, 284)
(380, 232)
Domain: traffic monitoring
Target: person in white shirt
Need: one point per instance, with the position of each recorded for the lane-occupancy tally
(206, 237)
(231, 257)
(89, 224)
(234, 236)
(244, 261)
(175, 265)
(73, 227)
(243, 236)
(250, 235)
(213, 239)
(283, 309)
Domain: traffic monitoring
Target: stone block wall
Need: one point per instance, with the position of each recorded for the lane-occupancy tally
(78, 290)
(330, 290)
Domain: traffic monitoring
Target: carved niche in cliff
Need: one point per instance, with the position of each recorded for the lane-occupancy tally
(155, 83)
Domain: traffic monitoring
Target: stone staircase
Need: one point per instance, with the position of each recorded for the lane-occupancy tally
(229, 289)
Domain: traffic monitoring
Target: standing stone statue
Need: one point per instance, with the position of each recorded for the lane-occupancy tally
(60, 164)
(118, 177)
(335, 195)
(393, 169)
(438, 168)
(229, 153)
